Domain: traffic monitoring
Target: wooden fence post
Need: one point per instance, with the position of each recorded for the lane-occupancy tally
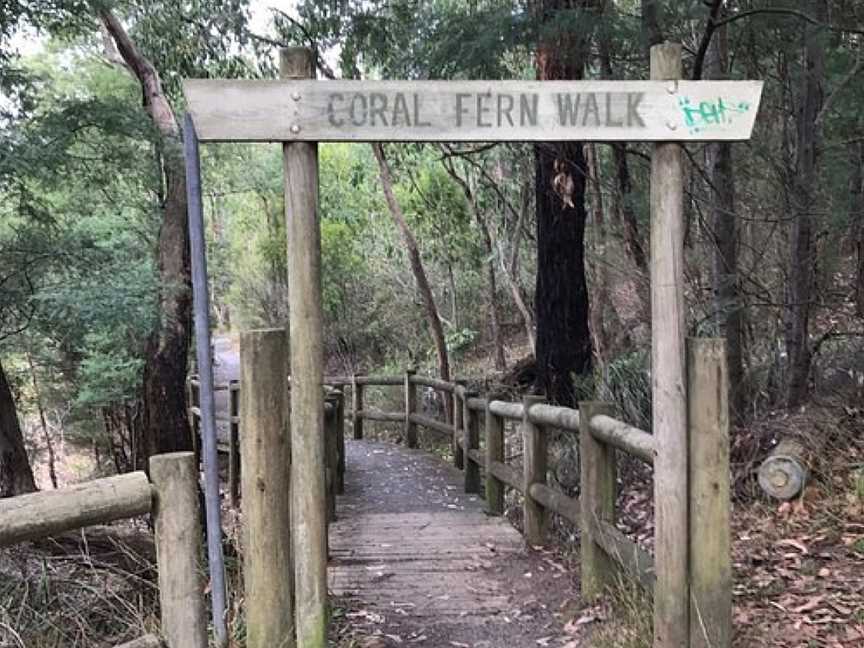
(410, 408)
(494, 452)
(309, 491)
(458, 423)
(331, 453)
(266, 475)
(340, 440)
(471, 441)
(356, 407)
(710, 541)
(534, 466)
(234, 442)
(177, 522)
(668, 381)
(597, 474)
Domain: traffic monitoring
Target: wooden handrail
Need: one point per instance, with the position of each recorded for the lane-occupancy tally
(631, 440)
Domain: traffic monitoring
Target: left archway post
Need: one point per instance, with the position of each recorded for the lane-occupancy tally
(201, 309)
(308, 485)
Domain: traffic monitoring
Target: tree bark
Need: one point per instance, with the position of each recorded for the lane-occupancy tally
(856, 217)
(166, 427)
(16, 476)
(432, 317)
(561, 297)
(802, 244)
(724, 221)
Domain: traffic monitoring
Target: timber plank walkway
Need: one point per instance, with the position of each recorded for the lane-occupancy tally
(420, 563)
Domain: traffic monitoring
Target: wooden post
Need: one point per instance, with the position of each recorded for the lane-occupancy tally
(534, 464)
(177, 522)
(340, 441)
(458, 416)
(307, 371)
(471, 441)
(668, 385)
(332, 450)
(494, 452)
(266, 475)
(234, 442)
(597, 476)
(410, 408)
(710, 541)
(356, 407)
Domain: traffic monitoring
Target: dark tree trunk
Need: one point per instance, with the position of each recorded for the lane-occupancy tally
(856, 217)
(724, 221)
(165, 426)
(561, 298)
(802, 252)
(16, 476)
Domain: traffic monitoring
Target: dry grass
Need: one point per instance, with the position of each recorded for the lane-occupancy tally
(87, 590)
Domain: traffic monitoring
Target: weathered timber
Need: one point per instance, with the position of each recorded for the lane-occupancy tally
(556, 501)
(635, 561)
(784, 471)
(306, 325)
(434, 383)
(459, 405)
(668, 386)
(477, 404)
(710, 535)
(356, 408)
(534, 466)
(625, 437)
(471, 425)
(36, 515)
(563, 418)
(177, 524)
(340, 440)
(410, 390)
(331, 454)
(512, 411)
(494, 454)
(507, 474)
(372, 111)
(476, 456)
(378, 415)
(234, 443)
(147, 641)
(432, 424)
(381, 381)
(597, 476)
(266, 475)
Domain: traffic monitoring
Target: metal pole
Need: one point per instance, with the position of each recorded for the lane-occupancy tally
(201, 306)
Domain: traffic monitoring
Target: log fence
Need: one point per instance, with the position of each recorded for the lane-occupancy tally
(171, 495)
(477, 434)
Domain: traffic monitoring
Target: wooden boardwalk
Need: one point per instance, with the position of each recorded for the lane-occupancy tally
(417, 561)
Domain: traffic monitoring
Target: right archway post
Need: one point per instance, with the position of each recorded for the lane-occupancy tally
(668, 375)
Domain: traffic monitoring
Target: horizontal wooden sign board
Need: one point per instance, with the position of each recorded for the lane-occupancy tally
(472, 111)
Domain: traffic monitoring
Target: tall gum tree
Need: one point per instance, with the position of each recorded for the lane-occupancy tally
(166, 428)
(563, 347)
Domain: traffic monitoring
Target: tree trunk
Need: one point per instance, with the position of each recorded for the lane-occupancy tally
(724, 222)
(856, 217)
(561, 297)
(16, 476)
(49, 444)
(166, 427)
(432, 318)
(802, 244)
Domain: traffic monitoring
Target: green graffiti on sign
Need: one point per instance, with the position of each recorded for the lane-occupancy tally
(706, 114)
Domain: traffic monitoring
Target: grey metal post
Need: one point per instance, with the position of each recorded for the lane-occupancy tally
(201, 306)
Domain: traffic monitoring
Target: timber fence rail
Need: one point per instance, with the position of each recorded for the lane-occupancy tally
(476, 432)
(171, 495)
